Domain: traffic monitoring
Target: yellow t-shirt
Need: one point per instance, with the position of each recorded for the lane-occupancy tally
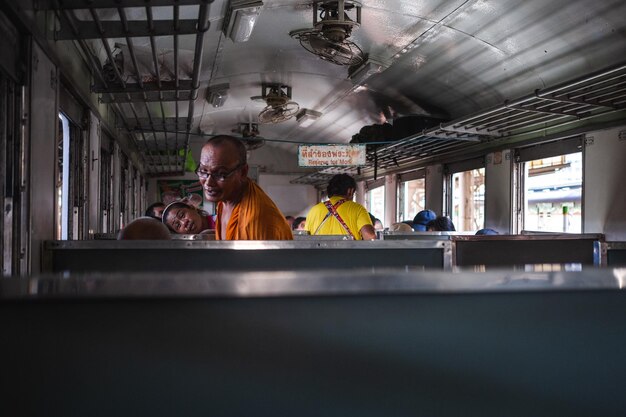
(353, 214)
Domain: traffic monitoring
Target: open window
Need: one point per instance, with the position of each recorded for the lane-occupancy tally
(466, 191)
(72, 170)
(411, 194)
(13, 220)
(71, 181)
(375, 199)
(106, 184)
(551, 184)
(124, 190)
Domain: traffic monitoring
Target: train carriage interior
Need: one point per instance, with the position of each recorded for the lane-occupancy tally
(506, 117)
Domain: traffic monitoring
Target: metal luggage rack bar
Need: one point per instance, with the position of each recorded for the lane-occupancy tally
(587, 97)
(593, 95)
(321, 178)
(124, 95)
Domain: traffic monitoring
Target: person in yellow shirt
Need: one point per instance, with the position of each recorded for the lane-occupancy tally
(244, 211)
(339, 215)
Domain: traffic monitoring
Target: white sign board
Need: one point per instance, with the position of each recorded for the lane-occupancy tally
(331, 155)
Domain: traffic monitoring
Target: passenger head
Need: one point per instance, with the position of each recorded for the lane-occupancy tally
(144, 228)
(183, 218)
(441, 224)
(400, 227)
(341, 185)
(422, 219)
(223, 168)
(483, 232)
(378, 225)
(155, 210)
(290, 220)
(299, 223)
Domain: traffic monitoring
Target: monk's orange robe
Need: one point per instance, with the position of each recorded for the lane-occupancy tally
(255, 217)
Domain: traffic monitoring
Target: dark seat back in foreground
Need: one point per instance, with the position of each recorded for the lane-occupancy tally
(616, 254)
(348, 343)
(180, 255)
(519, 250)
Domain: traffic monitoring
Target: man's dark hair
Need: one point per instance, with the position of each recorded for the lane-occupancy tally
(297, 222)
(222, 139)
(441, 224)
(486, 232)
(150, 210)
(339, 185)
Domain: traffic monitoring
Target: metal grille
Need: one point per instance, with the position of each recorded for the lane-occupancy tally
(162, 141)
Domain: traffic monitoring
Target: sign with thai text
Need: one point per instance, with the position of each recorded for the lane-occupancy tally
(331, 155)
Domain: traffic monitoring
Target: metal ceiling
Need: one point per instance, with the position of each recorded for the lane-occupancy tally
(570, 103)
(439, 58)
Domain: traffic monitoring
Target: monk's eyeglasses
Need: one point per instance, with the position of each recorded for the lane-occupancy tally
(217, 176)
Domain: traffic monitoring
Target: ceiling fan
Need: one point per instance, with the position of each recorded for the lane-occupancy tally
(279, 106)
(332, 26)
(250, 135)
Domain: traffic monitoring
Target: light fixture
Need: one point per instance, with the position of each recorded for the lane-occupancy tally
(240, 18)
(217, 94)
(306, 117)
(368, 68)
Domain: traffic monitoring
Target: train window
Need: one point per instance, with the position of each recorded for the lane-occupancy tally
(12, 173)
(134, 192)
(553, 194)
(411, 195)
(468, 199)
(141, 196)
(550, 186)
(71, 180)
(106, 184)
(465, 191)
(78, 183)
(375, 198)
(124, 185)
(62, 178)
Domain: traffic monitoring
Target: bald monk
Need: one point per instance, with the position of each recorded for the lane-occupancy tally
(244, 211)
(144, 228)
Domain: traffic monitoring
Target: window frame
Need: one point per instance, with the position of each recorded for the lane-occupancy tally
(454, 168)
(370, 186)
(524, 154)
(419, 174)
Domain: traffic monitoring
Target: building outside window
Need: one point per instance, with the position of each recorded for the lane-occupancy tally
(468, 199)
(553, 194)
(411, 199)
(376, 202)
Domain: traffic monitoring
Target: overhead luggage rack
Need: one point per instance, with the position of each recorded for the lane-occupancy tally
(546, 111)
(321, 178)
(131, 78)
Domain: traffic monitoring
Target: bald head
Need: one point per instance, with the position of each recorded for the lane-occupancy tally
(144, 228)
(229, 141)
